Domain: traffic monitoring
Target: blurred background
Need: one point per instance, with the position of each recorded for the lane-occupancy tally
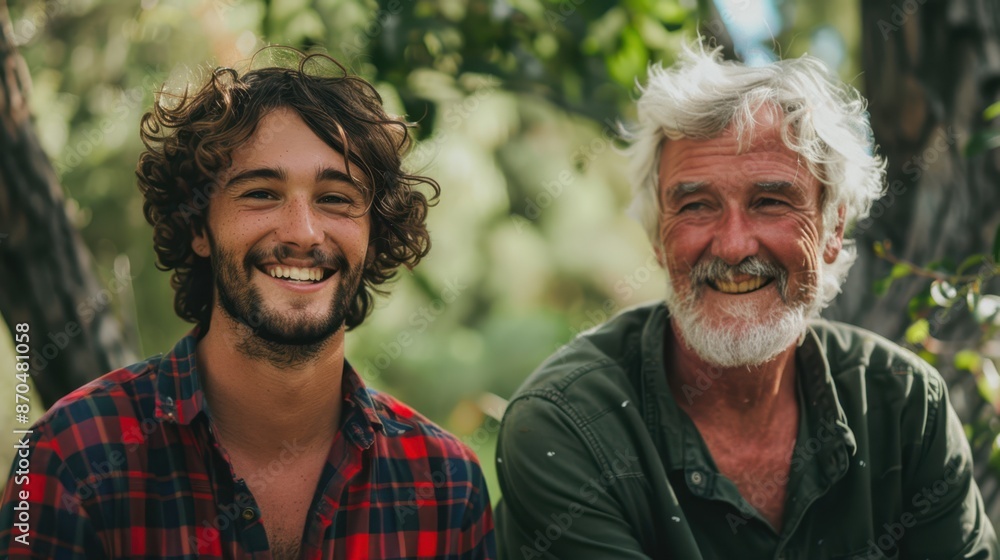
(518, 105)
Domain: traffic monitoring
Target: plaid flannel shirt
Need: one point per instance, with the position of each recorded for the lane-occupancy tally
(128, 467)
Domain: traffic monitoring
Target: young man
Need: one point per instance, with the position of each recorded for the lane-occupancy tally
(276, 197)
(724, 422)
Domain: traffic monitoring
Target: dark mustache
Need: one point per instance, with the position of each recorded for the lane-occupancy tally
(282, 252)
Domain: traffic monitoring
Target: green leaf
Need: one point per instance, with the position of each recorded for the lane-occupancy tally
(900, 270)
(918, 331)
(928, 357)
(982, 141)
(671, 14)
(968, 360)
(992, 112)
(630, 60)
(974, 260)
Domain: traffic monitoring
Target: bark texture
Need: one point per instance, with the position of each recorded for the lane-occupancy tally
(46, 278)
(931, 69)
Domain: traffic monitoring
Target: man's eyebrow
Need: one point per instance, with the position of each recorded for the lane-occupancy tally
(334, 175)
(773, 186)
(683, 189)
(278, 173)
(258, 173)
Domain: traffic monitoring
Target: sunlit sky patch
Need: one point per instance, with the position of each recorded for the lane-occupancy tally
(752, 24)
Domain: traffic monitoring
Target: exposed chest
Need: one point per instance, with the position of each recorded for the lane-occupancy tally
(759, 470)
(284, 512)
(284, 497)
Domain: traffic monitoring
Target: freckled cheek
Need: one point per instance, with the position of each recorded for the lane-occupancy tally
(352, 237)
(251, 227)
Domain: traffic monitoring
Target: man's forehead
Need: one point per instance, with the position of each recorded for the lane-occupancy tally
(689, 166)
(266, 148)
(722, 156)
(757, 136)
(762, 143)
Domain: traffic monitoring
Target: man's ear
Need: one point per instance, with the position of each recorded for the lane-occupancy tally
(836, 243)
(199, 242)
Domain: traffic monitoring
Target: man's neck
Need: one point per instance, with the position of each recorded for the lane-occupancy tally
(260, 407)
(744, 399)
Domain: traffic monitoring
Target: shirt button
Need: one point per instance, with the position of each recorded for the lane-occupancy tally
(697, 478)
(249, 514)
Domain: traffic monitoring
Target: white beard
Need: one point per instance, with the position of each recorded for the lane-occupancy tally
(743, 336)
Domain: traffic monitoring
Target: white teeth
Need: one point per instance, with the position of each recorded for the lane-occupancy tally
(296, 273)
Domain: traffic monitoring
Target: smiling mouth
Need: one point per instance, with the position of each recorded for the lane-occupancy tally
(298, 274)
(744, 287)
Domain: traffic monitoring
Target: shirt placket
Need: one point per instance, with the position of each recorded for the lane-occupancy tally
(827, 464)
(344, 463)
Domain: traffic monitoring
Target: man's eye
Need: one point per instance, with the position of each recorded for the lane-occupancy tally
(335, 199)
(771, 202)
(693, 207)
(257, 195)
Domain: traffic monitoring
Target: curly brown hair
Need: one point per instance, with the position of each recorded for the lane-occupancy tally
(189, 145)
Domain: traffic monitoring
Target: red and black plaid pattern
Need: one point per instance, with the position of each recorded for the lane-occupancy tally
(127, 467)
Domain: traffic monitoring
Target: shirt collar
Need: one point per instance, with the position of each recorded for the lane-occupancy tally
(180, 399)
(825, 424)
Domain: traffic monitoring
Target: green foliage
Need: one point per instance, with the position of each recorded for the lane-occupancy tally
(957, 294)
(984, 140)
(516, 105)
(918, 332)
(992, 112)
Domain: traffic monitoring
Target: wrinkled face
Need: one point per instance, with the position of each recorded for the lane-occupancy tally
(288, 234)
(741, 238)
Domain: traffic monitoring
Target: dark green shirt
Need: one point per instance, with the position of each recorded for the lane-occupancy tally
(596, 460)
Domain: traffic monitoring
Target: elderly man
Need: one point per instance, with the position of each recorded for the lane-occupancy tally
(277, 198)
(728, 422)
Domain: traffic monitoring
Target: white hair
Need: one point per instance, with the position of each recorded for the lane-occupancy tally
(824, 121)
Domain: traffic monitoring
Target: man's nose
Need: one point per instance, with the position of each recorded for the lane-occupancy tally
(300, 226)
(735, 238)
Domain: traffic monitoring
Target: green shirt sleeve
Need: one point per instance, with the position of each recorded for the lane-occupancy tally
(944, 516)
(556, 501)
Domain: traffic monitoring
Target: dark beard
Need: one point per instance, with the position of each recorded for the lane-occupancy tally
(268, 337)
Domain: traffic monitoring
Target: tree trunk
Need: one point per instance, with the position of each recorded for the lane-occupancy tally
(712, 27)
(931, 68)
(46, 279)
